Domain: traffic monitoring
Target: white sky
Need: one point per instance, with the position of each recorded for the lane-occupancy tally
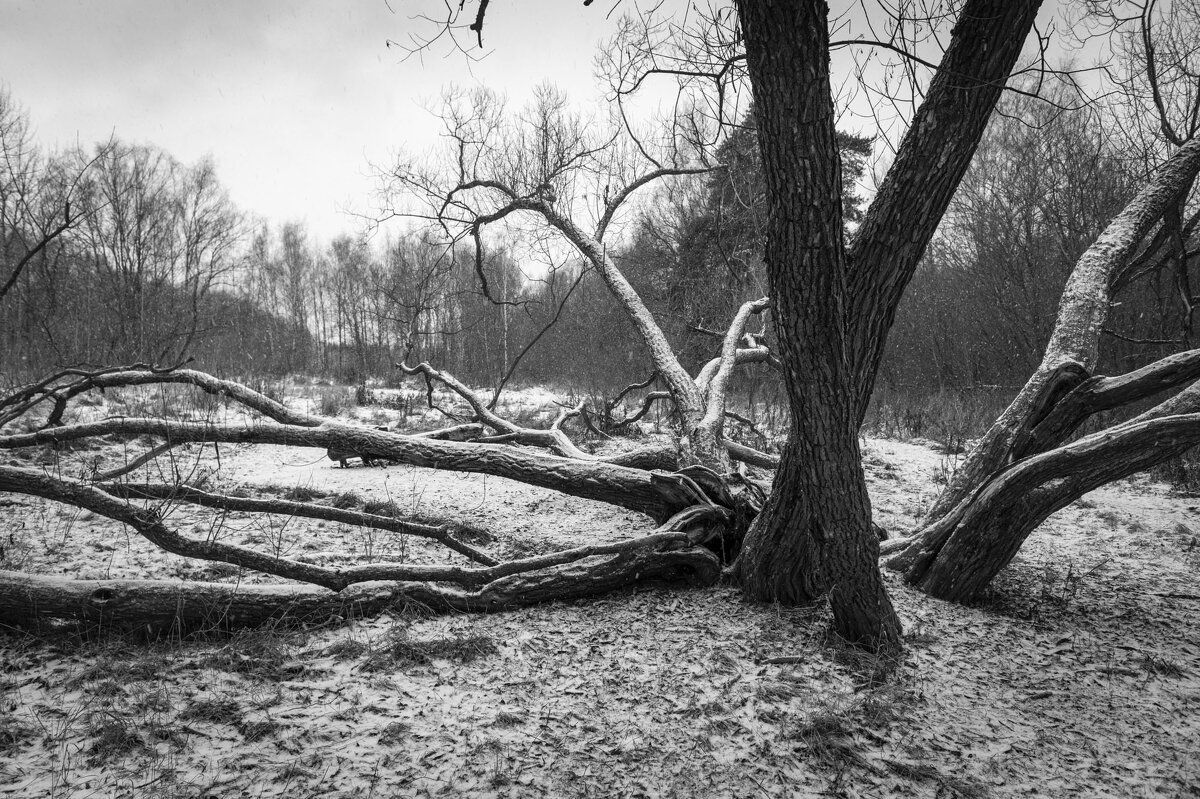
(293, 98)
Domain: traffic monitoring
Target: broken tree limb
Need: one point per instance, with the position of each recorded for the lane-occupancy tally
(443, 534)
(751, 456)
(686, 528)
(1098, 394)
(712, 423)
(553, 438)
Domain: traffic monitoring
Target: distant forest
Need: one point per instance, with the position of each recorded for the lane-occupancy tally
(121, 254)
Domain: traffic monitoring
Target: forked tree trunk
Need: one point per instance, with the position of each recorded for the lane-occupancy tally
(960, 554)
(834, 308)
(814, 536)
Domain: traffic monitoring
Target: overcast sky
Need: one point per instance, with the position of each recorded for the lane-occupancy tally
(292, 98)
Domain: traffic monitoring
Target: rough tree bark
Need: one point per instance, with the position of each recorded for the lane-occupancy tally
(166, 607)
(834, 308)
(814, 535)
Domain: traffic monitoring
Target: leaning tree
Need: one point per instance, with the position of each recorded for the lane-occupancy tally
(833, 300)
(1031, 462)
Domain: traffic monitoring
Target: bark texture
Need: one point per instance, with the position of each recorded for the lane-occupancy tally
(932, 158)
(814, 536)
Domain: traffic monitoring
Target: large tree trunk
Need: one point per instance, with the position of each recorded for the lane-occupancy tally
(814, 537)
(834, 309)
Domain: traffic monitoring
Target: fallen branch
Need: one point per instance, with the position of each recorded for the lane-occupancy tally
(162, 607)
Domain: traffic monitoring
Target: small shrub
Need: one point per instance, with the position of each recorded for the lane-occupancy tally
(347, 499)
(364, 396)
(333, 401)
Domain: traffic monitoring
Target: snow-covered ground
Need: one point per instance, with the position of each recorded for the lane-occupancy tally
(1078, 676)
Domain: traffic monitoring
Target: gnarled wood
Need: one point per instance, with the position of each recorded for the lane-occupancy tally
(162, 607)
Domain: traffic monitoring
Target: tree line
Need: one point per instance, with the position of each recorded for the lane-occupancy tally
(155, 264)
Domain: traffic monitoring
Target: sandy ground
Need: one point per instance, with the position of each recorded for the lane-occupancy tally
(1078, 676)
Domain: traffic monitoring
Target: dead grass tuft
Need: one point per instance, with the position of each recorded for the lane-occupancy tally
(1162, 667)
(395, 733)
(399, 650)
(508, 718)
(382, 507)
(347, 499)
(346, 649)
(301, 494)
(14, 733)
(214, 711)
(265, 654)
(112, 737)
(256, 730)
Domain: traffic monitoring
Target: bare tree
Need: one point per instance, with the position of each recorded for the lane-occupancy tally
(157, 238)
(548, 165)
(36, 194)
(833, 303)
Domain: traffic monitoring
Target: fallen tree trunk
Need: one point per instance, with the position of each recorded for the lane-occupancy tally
(627, 487)
(701, 514)
(161, 607)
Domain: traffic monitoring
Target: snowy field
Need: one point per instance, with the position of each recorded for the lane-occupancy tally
(1079, 675)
